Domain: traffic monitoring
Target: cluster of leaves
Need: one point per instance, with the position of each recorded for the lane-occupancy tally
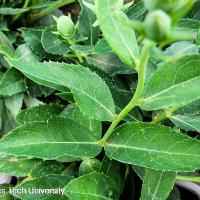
(62, 84)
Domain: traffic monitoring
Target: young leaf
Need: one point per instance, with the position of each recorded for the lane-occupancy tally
(52, 44)
(51, 187)
(91, 94)
(19, 167)
(11, 83)
(38, 114)
(49, 140)
(178, 85)
(93, 186)
(122, 40)
(187, 122)
(157, 184)
(154, 146)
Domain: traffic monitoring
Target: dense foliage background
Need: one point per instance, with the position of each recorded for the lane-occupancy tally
(68, 69)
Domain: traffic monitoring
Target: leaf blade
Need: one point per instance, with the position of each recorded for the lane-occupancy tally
(157, 185)
(122, 40)
(179, 85)
(62, 136)
(84, 84)
(154, 146)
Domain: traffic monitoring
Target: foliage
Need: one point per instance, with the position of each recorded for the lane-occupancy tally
(87, 100)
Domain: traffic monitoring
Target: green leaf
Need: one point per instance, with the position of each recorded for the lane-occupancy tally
(136, 11)
(19, 167)
(12, 11)
(39, 113)
(94, 186)
(11, 83)
(122, 98)
(25, 53)
(157, 184)
(112, 169)
(187, 122)
(14, 103)
(90, 92)
(73, 112)
(179, 85)
(188, 25)
(51, 188)
(86, 20)
(109, 63)
(101, 47)
(52, 44)
(122, 40)
(49, 140)
(6, 195)
(179, 49)
(47, 167)
(89, 165)
(154, 146)
(33, 39)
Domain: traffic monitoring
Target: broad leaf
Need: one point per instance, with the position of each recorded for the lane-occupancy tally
(51, 187)
(179, 84)
(155, 147)
(19, 167)
(157, 185)
(38, 114)
(90, 92)
(49, 140)
(52, 44)
(122, 40)
(94, 186)
(187, 122)
(11, 83)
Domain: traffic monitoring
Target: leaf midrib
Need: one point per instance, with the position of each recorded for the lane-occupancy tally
(147, 150)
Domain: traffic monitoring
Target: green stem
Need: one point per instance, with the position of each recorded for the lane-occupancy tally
(135, 101)
(188, 178)
(17, 16)
(50, 8)
(164, 115)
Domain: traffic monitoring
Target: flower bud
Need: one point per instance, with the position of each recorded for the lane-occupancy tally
(65, 25)
(157, 25)
(169, 6)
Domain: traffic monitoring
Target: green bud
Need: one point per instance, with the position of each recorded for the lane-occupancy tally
(65, 25)
(89, 165)
(169, 6)
(157, 25)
